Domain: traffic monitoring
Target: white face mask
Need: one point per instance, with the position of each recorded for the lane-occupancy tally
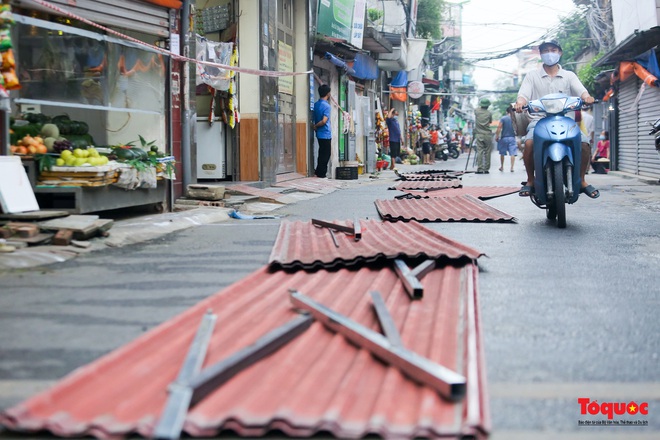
(550, 58)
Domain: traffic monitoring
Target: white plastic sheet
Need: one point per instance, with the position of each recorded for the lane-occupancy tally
(213, 52)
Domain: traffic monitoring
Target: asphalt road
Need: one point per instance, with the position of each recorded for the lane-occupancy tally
(567, 313)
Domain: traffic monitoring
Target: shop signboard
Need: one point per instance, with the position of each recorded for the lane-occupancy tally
(415, 89)
(285, 64)
(358, 23)
(335, 18)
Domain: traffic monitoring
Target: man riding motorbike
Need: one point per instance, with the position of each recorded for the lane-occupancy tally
(551, 78)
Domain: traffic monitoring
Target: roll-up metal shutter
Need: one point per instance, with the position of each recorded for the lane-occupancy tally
(627, 131)
(135, 15)
(648, 110)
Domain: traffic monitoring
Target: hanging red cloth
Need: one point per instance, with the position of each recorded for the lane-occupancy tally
(627, 68)
(172, 4)
(398, 94)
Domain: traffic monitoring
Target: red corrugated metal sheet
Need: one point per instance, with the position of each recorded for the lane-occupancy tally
(317, 382)
(312, 184)
(445, 209)
(431, 174)
(419, 185)
(422, 177)
(480, 192)
(303, 245)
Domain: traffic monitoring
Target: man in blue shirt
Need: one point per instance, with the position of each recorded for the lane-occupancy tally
(394, 130)
(322, 112)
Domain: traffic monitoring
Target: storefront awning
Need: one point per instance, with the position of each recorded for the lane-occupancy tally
(636, 44)
(365, 67)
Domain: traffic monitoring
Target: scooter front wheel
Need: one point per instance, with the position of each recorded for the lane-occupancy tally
(559, 199)
(453, 154)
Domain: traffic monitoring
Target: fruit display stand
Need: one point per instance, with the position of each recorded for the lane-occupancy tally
(81, 190)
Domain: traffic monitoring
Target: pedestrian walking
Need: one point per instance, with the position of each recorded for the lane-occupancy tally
(483, 136)
(506, 139)
(394, 129)
(323, 129)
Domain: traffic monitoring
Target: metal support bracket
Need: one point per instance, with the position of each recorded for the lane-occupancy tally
(385, 319)
(173, 416)
(356, 230)
(217, 374)
(448, 383)
(423, 269)
(193, 385)
(409, 280)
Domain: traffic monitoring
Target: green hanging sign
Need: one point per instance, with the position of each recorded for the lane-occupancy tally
(335, 18)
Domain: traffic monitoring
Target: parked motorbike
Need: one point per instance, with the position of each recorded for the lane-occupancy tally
(453, 150)
(655, 131)
(557, 155)
(442, 152)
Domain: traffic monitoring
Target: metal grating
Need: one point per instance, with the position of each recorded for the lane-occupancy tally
(480, 192)
(464, 208)
(301, 245)
(318, 382)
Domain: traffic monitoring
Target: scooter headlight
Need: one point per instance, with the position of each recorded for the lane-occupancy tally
(555, 105)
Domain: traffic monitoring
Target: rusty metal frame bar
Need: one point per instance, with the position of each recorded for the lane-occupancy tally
(385, 319)
(331, 225)
(217, 374)
(356, 230)
(446, 382)
(172, 418)
(410, 282)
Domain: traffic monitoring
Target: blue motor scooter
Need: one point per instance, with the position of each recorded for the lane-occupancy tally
(557, 155)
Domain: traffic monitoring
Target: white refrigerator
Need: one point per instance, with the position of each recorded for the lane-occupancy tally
(211, 149)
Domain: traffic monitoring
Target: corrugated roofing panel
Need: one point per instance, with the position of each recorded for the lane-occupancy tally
(445, 209)
(303, 245)
(439, 173)
(426, 177)
(433, 184)
(317, 382)
(480, 192)
(312, 184)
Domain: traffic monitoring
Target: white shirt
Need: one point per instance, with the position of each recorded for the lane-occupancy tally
(537, 83)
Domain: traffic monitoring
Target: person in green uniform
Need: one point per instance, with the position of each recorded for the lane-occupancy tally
(483, 136)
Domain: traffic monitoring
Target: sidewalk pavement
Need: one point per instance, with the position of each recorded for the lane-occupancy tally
(143, 228)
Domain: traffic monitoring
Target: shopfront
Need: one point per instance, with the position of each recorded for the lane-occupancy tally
(93, 90)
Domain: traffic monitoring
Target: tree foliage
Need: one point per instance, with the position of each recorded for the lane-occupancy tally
(429, 14)
(374, 15)
(574, 37)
